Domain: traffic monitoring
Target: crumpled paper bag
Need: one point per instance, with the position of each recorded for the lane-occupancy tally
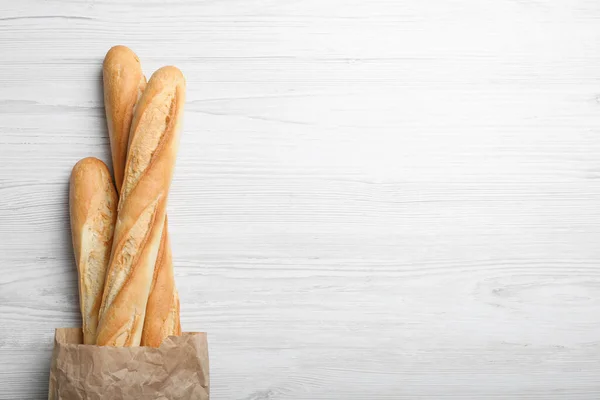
(178, 369)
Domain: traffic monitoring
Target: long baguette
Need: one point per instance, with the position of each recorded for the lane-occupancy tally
(121, 71)
(124, 83)
(93, 211)
(153, 143)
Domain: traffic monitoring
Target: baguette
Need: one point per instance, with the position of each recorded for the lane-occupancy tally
(153, 143)
(93, 211)
(162, 311)
(121, 71)
(124, 83)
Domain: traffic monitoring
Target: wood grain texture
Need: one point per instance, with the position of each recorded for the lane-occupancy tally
(373, 200)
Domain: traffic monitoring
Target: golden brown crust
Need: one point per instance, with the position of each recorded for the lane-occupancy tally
(121, 69)
(124, 83)
(162, 311)
(93, 212)
(148, 172)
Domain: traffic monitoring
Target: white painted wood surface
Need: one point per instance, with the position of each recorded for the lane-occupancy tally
(376, 199)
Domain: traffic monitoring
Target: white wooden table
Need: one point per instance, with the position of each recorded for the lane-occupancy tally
(379, 199)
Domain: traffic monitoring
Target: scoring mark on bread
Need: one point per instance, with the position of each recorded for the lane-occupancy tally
(123, 336)
(152, 130)
(127, 253)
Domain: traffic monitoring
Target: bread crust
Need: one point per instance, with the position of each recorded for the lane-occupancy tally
(153, 144)
(162, 311)
(93, 212)
(124, 83)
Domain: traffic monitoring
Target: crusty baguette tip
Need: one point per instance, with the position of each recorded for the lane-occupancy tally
(124, 83)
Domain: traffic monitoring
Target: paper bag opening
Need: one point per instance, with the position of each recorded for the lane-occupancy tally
(178, 369)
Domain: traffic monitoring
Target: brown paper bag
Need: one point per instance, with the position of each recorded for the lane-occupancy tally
(178, 369)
